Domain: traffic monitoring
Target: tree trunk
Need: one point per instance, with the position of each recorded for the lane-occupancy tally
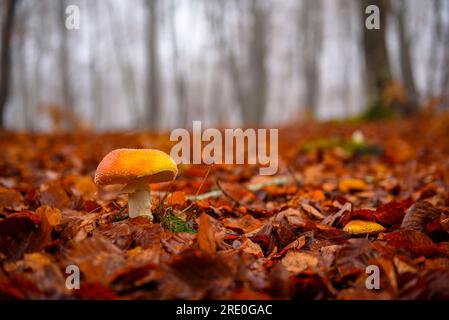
(123, 62)
(153, 77)
(95, 73)
(310, 31)
(67, 96)
(257, 53)
(377, 71)
(179, 74)
(5, 56)
(406, 62)
(436, 37)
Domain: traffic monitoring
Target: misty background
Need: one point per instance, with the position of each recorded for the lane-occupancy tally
(159, 64)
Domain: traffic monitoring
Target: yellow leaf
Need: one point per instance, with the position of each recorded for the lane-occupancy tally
(363, 227)
(37, 260)
(86, 187)
(346, 185)
(53, 215)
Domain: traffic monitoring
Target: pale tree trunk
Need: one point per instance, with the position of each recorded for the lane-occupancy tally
(123, 61)
(64, 63)
(445, 76)
(406, 61)
(226, 49)
(257, 54)
(215, 13)
(37, 70)
(250, 87)
(310, 30)
(436, 37)
(23, 70)
(377, 71)
(153, 76)
(5, 54)
(346, 10)
(95, 74)
(179, 73)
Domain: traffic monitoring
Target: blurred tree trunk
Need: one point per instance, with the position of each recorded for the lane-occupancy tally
(179, 74)
(445, 69)
(374, 44)
(41, 50)
(412, 105)
(5, 54)
(216, 14)
(436, 37)
(23, 68)
(248, 76)
(95, 74)
(310, 31)
(64, 63)
(119, 39)
(152, 109)
(254, 113)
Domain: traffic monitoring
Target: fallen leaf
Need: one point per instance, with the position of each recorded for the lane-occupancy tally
(53, 215)
(330, 219)
(346, 185)
(85, 187)
(206, 239)
(54, 195)
(419, 214)
(312, 211)
(392, 212)
(246, 224)
(297, 262)
(363, 227)
(10, 199)
(252, 248)
(177, 198)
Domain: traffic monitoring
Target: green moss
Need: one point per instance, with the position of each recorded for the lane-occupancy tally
(172, 222)
(351, 147)
(378, 111)
(169, 220)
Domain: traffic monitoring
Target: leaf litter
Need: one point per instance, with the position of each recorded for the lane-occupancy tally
(222, 232)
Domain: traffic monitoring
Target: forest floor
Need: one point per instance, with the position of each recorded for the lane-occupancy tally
(335, 207)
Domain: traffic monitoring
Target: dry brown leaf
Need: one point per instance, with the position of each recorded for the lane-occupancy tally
(206, 238)
(311, 210)
(246, 224)
(85, 187)
(297, 262)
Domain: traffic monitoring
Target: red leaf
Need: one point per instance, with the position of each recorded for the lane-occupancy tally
(392, 212)
(413, 241)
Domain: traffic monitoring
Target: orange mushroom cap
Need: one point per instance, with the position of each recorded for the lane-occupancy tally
(123, 166)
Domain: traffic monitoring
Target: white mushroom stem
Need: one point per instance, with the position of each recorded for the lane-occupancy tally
(139, 203)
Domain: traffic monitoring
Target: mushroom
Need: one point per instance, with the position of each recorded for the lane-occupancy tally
(137, 169)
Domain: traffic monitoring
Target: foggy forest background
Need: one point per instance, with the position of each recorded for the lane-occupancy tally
(139, 64)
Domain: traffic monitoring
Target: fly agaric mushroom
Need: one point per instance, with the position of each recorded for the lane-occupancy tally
(137, 169)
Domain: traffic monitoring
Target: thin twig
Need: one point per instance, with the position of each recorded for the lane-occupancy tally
(292, 173)
(226, 194)
(202, 182)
